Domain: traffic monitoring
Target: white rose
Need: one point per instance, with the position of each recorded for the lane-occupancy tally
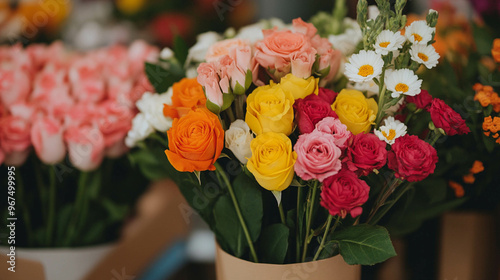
(347, 41)
(140, 130)
(151, 105)
(197, 52)
(253, 32)
(238, 138)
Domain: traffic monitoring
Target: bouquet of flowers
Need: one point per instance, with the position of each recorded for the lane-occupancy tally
(284, 169)
(64, 117)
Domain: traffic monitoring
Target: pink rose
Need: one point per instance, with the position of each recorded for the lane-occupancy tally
(223, 48)
(303, 27)
(87, 83)
(277, 48)
(322, 45)
(339, 130)
(317, 156)
(302, 63)
(47, 137)
(85, 146)
(116, 64)
(17, 158)
(209, 79)
(412, 159)
(23, 110)
(115, 121)
(332, 58)
(14, 134)
(366, 153)
(15, 86)
(310, 110)
(344, 193)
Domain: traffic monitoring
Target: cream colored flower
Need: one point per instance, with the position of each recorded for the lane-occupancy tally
(425, 55)
(364, 66)
(391, 130)
(388, 41)
(238, 138)
(419, 32)
(402, 81)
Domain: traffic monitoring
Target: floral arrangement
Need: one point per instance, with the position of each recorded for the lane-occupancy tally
(274, 156)
(64, 118)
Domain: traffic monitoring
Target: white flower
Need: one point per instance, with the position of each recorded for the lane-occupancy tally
(238, 138)
(140, 130)
(425, 55)
(166, 54)
(388, 41)
(347, 41)
(197, 52)
(151, 105)
(402, 81)
(253, 32)
(391, 130)
(419, 32)
(191, 72)
(364, 66)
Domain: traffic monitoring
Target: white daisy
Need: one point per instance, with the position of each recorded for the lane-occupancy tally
(391, 130)
(402, 81)
(419, 32)
(425, 55)
(364, 66)
(388, 41)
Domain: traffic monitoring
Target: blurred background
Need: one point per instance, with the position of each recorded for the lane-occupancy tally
(89, 24)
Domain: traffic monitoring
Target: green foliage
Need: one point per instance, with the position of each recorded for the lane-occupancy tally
(364, 244)
(273, 244)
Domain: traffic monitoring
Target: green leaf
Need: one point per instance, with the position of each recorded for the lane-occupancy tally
(239, 89)
(249, 196)
(228, 226)
(273, 244)
(489, 143)
(214, 108)
(248, 79)
(161, 78)
(116, 212)
(228, 100)
(152, 162)
(364, 244)
(180, 49)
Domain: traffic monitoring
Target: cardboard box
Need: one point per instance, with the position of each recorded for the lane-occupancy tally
(467, 246)
(160, 224)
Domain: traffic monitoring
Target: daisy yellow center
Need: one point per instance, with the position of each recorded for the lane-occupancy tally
(392, 134)
(423, 57)
(402, 87)
(417, 37)
(365, 70)
(384, 44)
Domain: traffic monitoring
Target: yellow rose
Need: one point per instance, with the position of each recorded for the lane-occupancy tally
(270, 109)
(300, 88)
(272, 161)
(356, 111)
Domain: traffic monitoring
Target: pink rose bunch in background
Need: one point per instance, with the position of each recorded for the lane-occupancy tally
(61, 102)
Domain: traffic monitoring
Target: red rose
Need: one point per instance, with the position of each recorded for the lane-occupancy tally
(443, 116)
(366, 152)
(412, 158)
(314, 108)
(344, 193)
(422, 100)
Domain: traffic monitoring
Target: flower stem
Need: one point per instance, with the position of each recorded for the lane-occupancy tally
(389, 206)
(282, 213)
(26, 212)
(310, 208)
(52, 207)
(325, 234)
(395, 183)
(80, 197)
(381, 103)
(297, 228)
(238, 212)
(435, 137)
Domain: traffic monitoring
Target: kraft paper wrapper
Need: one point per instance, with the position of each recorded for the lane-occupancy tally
(133, 253)
(232, 268)
(467, 246)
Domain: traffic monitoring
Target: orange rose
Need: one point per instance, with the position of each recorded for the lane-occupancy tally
(195, 141)
(187, 95)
